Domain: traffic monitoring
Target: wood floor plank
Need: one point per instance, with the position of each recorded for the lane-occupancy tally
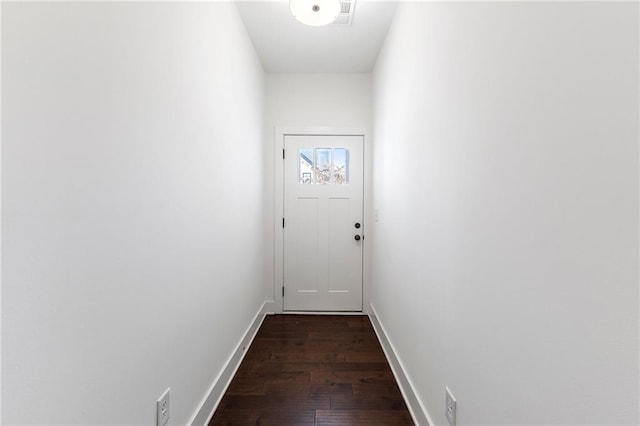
(352, 377)
(308, 356)
(362, 418)
(264, 417)
(370, 388)
(308, 390)
(313, 370)
(360, 366)
(307, 366)
(365, 357)
(276, 402)
(367, 402)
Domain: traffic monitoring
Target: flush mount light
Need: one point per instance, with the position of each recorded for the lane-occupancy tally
(315, 12)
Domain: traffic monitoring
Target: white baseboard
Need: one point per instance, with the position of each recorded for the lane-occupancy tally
(208, 406)
(270, 308)
(416, 408)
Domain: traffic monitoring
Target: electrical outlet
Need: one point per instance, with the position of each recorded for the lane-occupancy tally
(163, 407)
(450, 406)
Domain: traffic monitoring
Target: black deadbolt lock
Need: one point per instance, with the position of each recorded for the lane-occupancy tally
(357, 226)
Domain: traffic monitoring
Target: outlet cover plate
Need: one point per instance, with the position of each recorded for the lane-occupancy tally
(450, 406)
(163, 407)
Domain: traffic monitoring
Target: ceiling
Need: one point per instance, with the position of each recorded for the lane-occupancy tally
(284, 45)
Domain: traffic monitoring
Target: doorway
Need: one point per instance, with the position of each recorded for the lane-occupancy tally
(323, 223)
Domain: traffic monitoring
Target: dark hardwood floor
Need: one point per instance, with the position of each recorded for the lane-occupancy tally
(313, 370)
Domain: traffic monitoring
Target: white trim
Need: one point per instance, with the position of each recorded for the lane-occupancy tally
(278, 234)
(214, 395)
(418, 411)
(269, 307)
(352, 313)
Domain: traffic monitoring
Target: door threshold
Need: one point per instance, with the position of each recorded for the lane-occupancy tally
(322, 313)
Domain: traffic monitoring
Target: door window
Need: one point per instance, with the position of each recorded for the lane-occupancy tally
(323, 166)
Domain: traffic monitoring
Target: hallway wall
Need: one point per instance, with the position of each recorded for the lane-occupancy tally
(308, 100)
(132, 163)
(506, 165)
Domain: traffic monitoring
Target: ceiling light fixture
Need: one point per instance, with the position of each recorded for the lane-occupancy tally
(315, 13)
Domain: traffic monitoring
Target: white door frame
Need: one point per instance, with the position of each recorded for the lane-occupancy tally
(278, 244)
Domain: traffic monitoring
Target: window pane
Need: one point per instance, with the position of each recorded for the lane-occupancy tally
(340, 174)
(306, 165)
(323, 165)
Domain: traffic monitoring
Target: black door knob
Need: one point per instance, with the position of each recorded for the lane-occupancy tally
(357, 226)
(357, 237)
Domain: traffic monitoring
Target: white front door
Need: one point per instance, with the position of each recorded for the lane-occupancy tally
(323, 223)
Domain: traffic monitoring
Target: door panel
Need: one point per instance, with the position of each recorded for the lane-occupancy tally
(323, 194)
(306, 238)
(339, 243)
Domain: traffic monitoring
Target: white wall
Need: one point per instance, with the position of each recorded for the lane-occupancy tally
(308, 100)
(132, 246)
(506, 175)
